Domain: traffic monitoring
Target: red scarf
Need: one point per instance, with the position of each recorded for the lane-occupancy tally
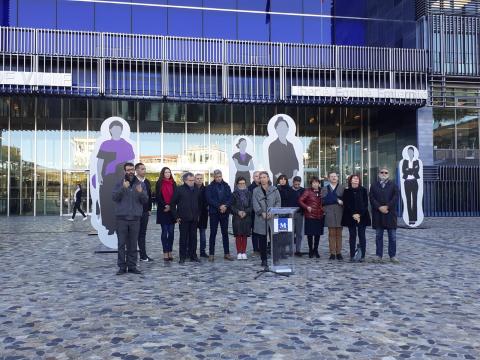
(167, 190)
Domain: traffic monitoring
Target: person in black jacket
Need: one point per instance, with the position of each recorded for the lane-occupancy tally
(251, 187)
(384, 200)
(185, 209)
(219, 198)
(298, 217)
(355, 214)
(78, 202)
(164, 190)
(140, 171)
(203, 219)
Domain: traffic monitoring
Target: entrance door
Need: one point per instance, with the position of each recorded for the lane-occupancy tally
(70, 180)
(354, 144)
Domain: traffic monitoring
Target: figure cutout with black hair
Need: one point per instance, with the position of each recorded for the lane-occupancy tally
(411, 178)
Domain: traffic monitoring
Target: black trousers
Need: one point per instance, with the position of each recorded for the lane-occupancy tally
(77, 207)
(353, 230)
(188, 239)
(142, 233)
(411, 192)
(127, 234)
(262, 244)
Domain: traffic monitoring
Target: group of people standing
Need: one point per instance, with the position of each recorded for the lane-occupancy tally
(192, 205)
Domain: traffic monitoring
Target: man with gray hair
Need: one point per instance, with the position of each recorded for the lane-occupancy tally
(186, 210)
(384, 201)
(219, 199)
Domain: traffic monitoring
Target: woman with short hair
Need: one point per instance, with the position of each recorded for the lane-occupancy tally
(241, 220)
(311, 202)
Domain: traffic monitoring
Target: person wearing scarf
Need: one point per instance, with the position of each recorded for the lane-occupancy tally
(241, 221)
(164, 191)
(355, 214)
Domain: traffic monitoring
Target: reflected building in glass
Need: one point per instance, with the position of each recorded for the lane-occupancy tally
(190, 76)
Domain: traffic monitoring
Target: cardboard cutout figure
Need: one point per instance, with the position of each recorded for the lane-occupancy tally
(112, 150)
(411, 185)
(241, 162)
(283, 150)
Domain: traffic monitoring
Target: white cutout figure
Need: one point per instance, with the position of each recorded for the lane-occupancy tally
(410, 169)
(112, 150)
(241, 160)
(282, 150)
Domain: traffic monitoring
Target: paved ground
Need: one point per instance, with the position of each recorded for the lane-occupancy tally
(59, 300)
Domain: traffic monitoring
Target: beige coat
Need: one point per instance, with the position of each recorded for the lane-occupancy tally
(334, 212)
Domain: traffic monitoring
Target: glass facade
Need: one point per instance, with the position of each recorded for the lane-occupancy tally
(341, 22)
(46, 142)
(456, 135)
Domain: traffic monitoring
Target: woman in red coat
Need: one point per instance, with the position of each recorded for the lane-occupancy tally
(311, 202)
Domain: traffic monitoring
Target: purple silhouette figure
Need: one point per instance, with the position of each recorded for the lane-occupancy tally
(111, 157)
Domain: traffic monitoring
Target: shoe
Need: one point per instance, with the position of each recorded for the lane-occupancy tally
(317, 255)
(244, 256)
(71, 219)
(298, 253)
(264, 263)
(377, 259)
(239, 256)
(361, 260)
(339, 257)
(332, 257)
(181, 261)
(121, 271)
(352, 260)
(310, 254)
(228, 257)
(394, 260)
(203, 254)
(147, 259)
(134, 271)
(166, 259)
(195, 259)
(211, 258)
(85, 218)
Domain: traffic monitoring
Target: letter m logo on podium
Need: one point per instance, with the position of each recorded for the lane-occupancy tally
(282, 225)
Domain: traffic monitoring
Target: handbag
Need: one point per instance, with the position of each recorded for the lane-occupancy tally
(358, 254)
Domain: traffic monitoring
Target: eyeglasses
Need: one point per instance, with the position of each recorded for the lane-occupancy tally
(383, 172)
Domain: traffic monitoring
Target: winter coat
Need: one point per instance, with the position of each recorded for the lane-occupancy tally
(184, 203)
(355, 201)
(148, 206)
(163, 217)
(310, 199)
(296, 194)
(218, 194)
(203, 219)
(384, 196)
(272, 199)
(288, 196)
(128, 202)
(333, 212)
(241, 226)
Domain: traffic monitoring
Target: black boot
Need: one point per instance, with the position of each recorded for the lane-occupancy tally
(310, 247)
(315, 247)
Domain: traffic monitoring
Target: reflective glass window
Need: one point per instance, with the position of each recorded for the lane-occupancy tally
(149, 19)
(185, 22)
(220, 24)
(252, 26)
(467, 133)
(75, 16)
(286, 28)
(113, 18)
(37, 14)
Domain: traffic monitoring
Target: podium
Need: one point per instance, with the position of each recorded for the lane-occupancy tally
(281, 235)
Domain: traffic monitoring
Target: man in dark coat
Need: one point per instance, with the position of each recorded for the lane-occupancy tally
(203, 219)
(185, 209)
(384, 200)
(298, 217)
(251, 187)
(140, 171)
(219, 198)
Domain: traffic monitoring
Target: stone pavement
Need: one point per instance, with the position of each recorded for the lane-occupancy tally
(59, 300)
